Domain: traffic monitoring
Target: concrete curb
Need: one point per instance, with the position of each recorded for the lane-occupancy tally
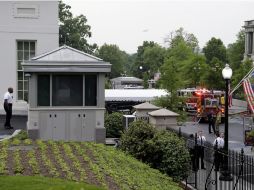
(16, 132)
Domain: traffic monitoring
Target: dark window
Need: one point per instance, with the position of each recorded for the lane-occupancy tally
(67, 90)
(91, 90)
(43, 90)
(250, 43)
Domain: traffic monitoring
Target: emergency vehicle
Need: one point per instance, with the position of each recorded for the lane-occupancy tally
(204, 101)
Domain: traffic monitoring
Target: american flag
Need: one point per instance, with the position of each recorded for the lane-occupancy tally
(249, 94)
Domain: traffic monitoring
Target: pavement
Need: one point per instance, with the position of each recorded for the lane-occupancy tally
(17, 121)
(237, 127)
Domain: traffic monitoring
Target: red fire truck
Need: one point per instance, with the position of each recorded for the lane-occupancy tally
(203, 101)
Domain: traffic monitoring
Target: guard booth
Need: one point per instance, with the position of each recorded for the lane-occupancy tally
(66, 96)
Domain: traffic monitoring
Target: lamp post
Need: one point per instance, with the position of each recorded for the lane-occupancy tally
(225, 174)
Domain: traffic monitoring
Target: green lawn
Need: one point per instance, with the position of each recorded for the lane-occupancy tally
(41, 183)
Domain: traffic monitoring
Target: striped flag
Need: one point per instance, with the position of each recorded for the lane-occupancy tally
(249, 94)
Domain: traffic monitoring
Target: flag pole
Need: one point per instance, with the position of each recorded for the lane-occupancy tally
(240, 83)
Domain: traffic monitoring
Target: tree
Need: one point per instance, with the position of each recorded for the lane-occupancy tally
(74, 31)
(235, 51)
(215, 49)
(179, 36)
(115, 56)
(195, 71)
(213, 77)
(139, 61)
(153, 58)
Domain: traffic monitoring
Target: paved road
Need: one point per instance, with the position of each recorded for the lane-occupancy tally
(18, 122)
(236, 133)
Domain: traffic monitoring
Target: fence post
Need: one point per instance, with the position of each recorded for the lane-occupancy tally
(196, 159)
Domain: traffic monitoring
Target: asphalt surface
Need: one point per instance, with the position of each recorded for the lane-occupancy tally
(18, 122)
(237, 127)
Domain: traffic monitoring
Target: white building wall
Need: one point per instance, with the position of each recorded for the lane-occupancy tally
(41, 27)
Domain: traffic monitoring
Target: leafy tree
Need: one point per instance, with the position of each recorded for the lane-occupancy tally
(215, 49)
(139, 61)
(153, 58)
(235, 51)
(180, 36)
(113, 124)
(213, 77)
(115, 56)
(195, 71)
(74, 31)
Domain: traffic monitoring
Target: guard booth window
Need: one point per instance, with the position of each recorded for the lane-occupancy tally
(67, 90)
(91, 90)
(43, 90)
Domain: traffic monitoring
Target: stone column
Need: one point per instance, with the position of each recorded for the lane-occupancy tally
(246, 43)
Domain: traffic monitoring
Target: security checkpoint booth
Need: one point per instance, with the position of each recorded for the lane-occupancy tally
(66, 96)
(163, 119)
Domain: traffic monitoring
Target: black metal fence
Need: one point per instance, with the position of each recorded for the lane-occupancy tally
(206, 176)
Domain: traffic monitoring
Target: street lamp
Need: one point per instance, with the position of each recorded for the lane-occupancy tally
(225, 174)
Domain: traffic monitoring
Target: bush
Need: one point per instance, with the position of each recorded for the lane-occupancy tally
(162, 150)
(113, 124)
(170, 155)
(137, 140)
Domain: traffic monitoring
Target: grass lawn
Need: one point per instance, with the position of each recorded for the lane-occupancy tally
(41, 183)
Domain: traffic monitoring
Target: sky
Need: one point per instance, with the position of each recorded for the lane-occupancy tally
(127, 23)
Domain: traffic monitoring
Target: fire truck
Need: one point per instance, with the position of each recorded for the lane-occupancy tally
(210, 101)
(204, 101)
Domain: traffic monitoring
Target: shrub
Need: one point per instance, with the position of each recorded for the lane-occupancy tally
(162, 150)
(170, 155)
(113, 124)
(137, 140)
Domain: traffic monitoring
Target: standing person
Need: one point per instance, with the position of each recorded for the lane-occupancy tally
(8, 100)
(210, 122)
(200, 146)
(218, 144)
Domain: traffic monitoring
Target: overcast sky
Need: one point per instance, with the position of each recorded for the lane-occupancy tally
(127, 23)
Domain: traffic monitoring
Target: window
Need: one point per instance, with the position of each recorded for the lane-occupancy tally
(91, 90)
(43, 90)
(250, 50)
(25, 51)
(67, 90)
(25, 11)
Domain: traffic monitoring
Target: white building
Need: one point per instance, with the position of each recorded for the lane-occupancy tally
(249, 36)
(27, 29)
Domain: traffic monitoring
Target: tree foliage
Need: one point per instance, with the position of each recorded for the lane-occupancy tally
(74, 31)
(139, 61)
(180, 36)
(215, 49)
(195, 71)
(116, 57)
(235, 51)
